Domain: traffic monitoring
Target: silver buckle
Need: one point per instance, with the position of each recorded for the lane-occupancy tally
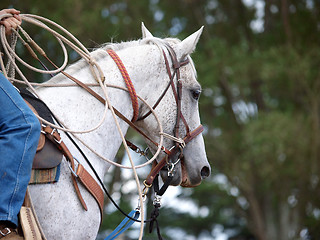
(5, 234)
(157, 200)
(171, 166)
(73, 171)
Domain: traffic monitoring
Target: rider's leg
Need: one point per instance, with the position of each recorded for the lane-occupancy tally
(19, 135)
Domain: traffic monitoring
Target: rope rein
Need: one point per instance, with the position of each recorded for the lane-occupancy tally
(126, 78)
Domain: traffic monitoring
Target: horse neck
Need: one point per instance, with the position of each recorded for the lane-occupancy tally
(79, 110)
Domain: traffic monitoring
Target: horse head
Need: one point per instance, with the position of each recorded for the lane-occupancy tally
(190, 162)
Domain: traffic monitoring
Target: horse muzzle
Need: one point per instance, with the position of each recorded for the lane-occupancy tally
(186, 177)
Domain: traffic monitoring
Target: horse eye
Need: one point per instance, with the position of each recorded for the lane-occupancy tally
(195, 94)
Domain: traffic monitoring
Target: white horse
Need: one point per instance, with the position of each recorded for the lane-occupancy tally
(57, 205)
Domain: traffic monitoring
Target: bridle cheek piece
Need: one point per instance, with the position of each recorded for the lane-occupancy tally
(180, 145)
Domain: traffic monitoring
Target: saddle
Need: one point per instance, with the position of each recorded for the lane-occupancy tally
(48, 156)
(46, 168)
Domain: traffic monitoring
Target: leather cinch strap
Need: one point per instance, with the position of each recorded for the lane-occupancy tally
(88, 181)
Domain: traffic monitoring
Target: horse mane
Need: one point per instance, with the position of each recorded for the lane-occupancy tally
(159, 42)
(100, 52)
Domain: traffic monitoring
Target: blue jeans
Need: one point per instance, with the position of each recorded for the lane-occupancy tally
(19, 136)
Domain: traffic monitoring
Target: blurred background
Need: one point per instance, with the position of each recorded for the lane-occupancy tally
(258, 62)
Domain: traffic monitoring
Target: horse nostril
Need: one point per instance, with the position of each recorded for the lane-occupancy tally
(205, 172)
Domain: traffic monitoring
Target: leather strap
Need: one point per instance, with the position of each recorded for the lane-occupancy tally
(88, 181)
(54, 136)
(81, 84)
(177, 93)
(171, 76)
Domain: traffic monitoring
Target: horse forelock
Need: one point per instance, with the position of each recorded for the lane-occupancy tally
(163, 43)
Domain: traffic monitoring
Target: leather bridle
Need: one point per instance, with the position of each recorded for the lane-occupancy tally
(152, 178)
(177, 92)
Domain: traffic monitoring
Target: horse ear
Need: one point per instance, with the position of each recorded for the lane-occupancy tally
(145, 31)
(188, 45)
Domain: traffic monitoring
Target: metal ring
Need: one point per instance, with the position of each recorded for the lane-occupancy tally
(5, 234)
(146, 185)
(73, 171)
